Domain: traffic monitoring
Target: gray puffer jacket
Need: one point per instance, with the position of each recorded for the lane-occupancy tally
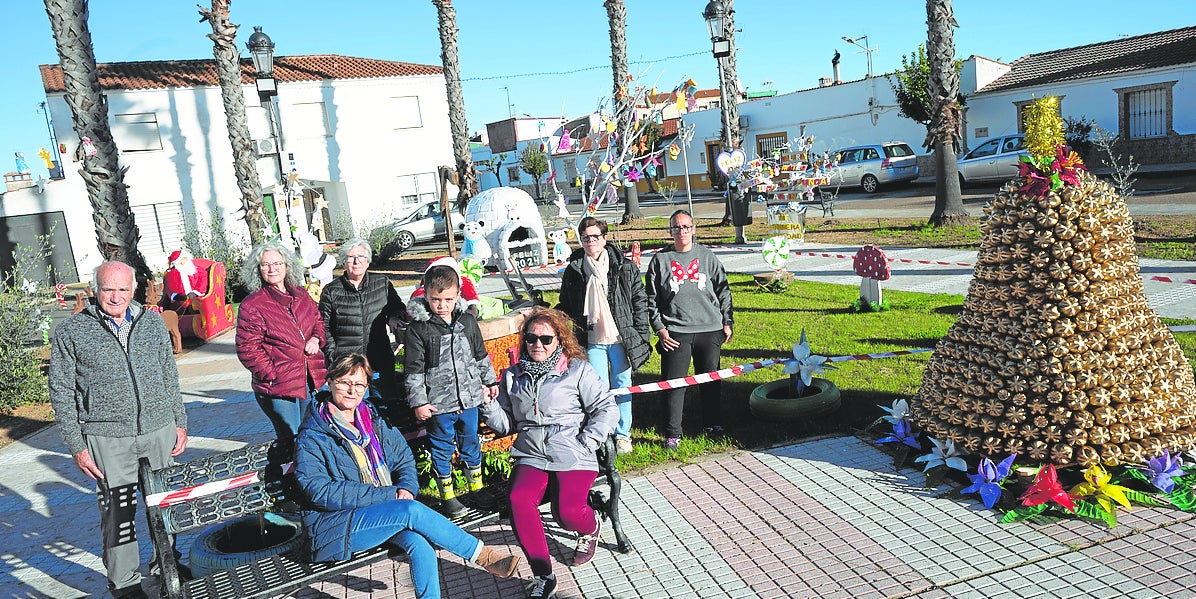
(98, 389)
(561, 419)
(445, 364)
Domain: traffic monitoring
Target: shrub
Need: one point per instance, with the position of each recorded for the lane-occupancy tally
(23, 307)
(210, 238)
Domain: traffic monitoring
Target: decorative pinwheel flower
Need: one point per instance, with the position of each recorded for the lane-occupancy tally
(1046, 488)
(944, 453)
(987, 480)
(804, 365)
(1164, 469)
(1097, 486)
(902, 433)
(899, 411)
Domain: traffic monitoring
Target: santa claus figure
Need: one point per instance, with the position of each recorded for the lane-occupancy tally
(187, 276)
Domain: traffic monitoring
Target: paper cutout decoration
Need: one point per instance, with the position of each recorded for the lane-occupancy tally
(776, 251)
(731, 162)
(44, 154)
(674, 151)
(89, 149)
(562, 209)
(872, 264)
(566, 144)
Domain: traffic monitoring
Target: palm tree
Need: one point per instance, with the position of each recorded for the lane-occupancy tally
(729, 96)
(228, 68)
(467, 177)
(116, 233)
(624, 101)
(943, 133)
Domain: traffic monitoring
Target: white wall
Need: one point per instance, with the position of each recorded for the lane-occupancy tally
(370, 148)
(1093, 98)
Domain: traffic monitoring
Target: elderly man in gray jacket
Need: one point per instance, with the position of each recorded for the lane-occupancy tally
(115, 390)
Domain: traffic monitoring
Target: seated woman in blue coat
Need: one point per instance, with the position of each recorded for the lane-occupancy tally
(360, 480)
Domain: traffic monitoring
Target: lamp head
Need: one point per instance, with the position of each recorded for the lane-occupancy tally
(716, 18)
(261, 49)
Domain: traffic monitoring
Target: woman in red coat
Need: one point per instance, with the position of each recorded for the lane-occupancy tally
(280, 336)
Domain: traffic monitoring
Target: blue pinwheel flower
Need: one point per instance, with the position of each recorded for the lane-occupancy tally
(987, 480)
(1164, 469)
(902, 433)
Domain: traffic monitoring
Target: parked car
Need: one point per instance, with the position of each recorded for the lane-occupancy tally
(424, 222)
(870, 166)
(993, 160)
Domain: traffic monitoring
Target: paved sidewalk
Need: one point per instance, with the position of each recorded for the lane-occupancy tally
(824, 518)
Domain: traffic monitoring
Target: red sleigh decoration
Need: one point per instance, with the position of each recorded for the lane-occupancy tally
(207, 315)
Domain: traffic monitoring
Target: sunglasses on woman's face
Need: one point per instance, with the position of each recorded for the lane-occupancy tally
(544, 340)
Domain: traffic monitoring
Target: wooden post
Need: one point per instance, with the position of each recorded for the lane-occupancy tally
(446, 210)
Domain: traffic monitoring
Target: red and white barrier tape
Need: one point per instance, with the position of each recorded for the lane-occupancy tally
(169, 498)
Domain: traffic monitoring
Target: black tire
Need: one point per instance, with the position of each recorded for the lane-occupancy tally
(770, 401)
(870, 183)
(404, 240)
(238, 542)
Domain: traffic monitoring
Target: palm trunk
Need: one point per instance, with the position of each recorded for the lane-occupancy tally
(228, 69)
(943, 133)
(616, 12)
(116, 232)
(729, 96)
(467, 177)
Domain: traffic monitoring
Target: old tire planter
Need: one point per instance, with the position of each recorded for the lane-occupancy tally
(771, 401)
(242, 540)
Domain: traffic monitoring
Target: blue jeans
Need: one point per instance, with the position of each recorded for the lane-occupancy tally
(615, 370)
(285, 413)
(454, 431)
(414, 528)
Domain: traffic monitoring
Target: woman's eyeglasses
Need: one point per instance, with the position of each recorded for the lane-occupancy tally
(355, 387)
(681, 229)
(544, 340)
(592, 238)
(268, 266)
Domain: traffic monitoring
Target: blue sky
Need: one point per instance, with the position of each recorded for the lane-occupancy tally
(553, 56)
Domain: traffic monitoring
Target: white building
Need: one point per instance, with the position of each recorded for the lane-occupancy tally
(366, 135)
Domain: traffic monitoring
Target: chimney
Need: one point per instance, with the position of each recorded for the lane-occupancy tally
(825, 81)
(835, 68)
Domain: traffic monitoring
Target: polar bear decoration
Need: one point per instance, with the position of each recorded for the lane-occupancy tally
(475, 245)
(560, 246)
(511, 223)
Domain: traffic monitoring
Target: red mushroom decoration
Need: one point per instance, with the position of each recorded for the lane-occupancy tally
(872, 264)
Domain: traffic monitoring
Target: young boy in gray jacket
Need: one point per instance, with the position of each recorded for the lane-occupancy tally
(447, 371)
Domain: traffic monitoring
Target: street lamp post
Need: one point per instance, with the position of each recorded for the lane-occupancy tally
(716, 17)
(866, 49)
(261, 50)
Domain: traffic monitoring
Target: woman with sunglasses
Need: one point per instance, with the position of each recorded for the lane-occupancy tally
(360, 482)
(689, 306)
(603, 292)
(562, 412)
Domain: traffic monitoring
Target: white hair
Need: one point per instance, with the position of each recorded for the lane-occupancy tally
(95, 274)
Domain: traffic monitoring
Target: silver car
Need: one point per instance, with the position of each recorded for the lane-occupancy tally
(421, 224)
(993, 160)
(870, 166)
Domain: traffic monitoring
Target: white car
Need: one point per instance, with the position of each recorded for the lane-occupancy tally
(872, 165)
(424, 222)
(993, 160)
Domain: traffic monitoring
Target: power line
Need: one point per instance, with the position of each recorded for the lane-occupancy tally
(572, 71)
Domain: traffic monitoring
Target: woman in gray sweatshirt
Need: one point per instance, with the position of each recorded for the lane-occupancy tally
(689, 307)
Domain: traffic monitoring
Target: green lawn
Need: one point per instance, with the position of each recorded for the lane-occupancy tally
(767, 325)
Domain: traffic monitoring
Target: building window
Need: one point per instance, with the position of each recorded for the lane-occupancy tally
(413, 189)
(1145, 111)
(405, 111)
(136, 132)
(768, 142)
(1021, 112)
(305, 121)
(513, 174)
(161, 227)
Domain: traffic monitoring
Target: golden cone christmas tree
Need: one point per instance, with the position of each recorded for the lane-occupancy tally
(1056, 355)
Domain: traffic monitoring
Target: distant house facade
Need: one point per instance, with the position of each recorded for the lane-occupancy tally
(497, 160)
(1141, 88)
(366, 137)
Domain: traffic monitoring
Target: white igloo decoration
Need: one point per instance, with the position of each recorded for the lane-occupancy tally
(512, 226)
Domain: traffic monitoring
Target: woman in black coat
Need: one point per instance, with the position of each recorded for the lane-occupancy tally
(357, 308)
(604, 295)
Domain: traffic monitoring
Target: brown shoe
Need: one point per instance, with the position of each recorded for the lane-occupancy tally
(502, 565)
(587, 545)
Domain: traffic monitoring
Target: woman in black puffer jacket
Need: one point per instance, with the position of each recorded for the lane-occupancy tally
(357, 308)
(604, 295)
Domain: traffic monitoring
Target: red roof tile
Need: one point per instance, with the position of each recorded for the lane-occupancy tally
(158, 74)
(669, 127)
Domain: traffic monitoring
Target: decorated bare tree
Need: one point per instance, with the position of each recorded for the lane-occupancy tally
(624, 101)
(116, 232)
(467, 177)
(943, 133)
(228, 69)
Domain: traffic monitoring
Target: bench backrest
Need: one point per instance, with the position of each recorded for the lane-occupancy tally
(215, 488)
